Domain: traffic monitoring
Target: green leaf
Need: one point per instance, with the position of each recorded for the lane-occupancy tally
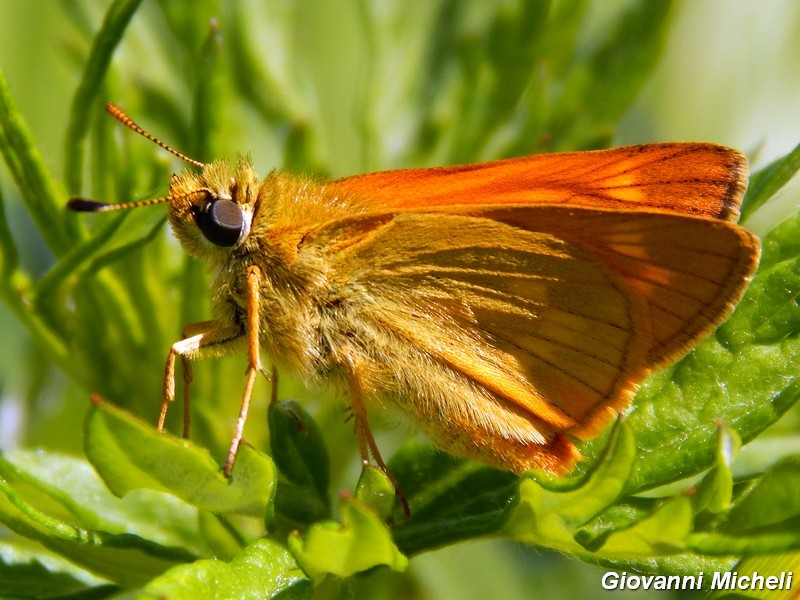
(781, 244)
(74, 258)
(376, 491)
(13, 287)
(122, 558)
(709, 544)
(622, 515)
(686, 564)
(128, 455)
(264, 569)
(68, 487)
(769, 180)
(663, 532)
(549, 510)
(105, 42)
(764, 517)
(360, 542)
(715, 490)
(584, 517)
(25, 573)
(224, 540)
(299, 451)
(41, 193)
(777, 311)
(773, 501)
(451, 499)
(141, 227)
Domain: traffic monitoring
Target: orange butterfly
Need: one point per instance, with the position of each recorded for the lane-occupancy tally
(505, 307)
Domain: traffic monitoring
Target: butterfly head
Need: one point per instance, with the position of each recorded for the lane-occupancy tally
(210, 209)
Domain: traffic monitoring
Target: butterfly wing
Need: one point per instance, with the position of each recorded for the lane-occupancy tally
(689, 178)
(521, 300)
(552, 314)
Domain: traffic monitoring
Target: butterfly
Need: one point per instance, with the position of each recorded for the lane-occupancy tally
(506, 308)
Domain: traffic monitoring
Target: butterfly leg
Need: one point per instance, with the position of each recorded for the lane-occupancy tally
(195, 337)
(198, 339)
(366, 441)
(208, 338)
(188, 377)
(253, 360)
(211, 338)
(273, 380)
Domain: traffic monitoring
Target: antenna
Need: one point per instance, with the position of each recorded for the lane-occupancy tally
(88, 205)
(119, 114)
(79, 204)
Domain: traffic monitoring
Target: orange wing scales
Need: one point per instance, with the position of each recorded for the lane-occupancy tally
(691, 273)
(477, 323)
(701, 179)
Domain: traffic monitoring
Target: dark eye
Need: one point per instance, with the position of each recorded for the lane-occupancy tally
(222, 222)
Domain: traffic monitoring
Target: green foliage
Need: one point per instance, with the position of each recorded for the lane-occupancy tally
(476, 81)
(130, 455)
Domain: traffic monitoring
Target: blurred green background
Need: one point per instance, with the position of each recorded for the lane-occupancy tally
(730, 73)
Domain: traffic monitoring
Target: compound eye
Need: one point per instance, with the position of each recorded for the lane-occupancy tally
(221, 222)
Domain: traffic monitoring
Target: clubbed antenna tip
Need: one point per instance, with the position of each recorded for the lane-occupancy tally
(86, 205)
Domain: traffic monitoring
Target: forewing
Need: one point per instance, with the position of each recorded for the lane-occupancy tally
(688, 178)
